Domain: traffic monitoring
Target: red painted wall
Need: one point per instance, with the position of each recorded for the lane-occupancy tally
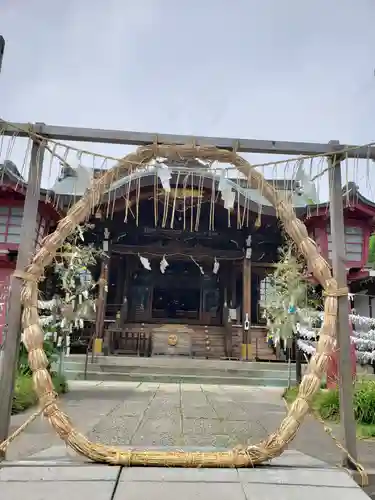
(317, 228)
(5, 274)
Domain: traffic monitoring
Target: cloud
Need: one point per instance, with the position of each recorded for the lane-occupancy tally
(267, 69)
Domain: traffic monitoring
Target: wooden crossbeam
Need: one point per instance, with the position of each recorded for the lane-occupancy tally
(62, 133)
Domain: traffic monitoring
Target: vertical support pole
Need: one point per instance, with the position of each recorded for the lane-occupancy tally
(342, 327)
(13, 336)
(298, 361)
(102, 296)
(246, 300)
(2, 49)
(234, 291)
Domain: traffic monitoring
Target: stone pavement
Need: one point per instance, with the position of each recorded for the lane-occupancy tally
(146, 414)
(292, 476)
(150, 415)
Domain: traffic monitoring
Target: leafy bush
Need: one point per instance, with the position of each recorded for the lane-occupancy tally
(24, 395)
(364, 402)
(23, 363)
(327, 402)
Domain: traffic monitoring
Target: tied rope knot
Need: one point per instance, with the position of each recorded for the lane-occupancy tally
(26, 276)
(336, 292)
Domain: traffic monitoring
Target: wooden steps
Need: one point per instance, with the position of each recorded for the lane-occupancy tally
(208, 342)
(259, 344)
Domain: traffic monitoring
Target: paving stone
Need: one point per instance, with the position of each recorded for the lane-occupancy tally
(198, 411)
(230, 411)
(161, 424)
(293, 492)
(177, 474)
(294, 458)
(179, 490)
(217, 441)
(72, 490)
(297, 476)
(215, 427)
(80, 472)
(160, 439)
(132, 408)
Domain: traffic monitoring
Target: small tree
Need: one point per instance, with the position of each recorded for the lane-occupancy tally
(290, 301)
(75, 300)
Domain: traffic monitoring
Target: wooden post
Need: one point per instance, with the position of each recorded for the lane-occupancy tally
(246, 300)
(13, 336)
(342, 328)
(2, 49)
(102, 295)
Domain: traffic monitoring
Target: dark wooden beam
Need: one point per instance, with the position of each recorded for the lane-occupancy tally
(175, 251)
(61, 133)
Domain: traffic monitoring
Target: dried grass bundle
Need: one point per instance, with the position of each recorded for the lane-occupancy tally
(33, 336)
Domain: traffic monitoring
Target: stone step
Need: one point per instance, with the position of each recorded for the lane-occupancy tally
(127, 362)
(178, 378)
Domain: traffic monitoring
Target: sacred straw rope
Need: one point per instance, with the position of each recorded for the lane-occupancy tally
(33, 335)
(359, 467)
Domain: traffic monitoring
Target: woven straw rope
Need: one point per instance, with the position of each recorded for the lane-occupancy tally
(33, 335)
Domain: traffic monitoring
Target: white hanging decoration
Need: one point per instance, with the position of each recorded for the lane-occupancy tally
(198, 266)
(145, 263)
(165, 176)
(216, 267)
(227, 194)
(163, 264)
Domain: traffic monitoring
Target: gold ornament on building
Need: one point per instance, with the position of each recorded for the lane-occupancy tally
(172, 340)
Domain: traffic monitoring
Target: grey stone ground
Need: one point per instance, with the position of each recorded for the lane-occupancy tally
(181, 415)
(146, 414)
(293, 476)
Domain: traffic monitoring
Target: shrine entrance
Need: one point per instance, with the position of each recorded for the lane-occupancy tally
(182, 294)
(177, 294)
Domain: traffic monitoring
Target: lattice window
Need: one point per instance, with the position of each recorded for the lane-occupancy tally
(10, 224)
(40, 231)
(353, 243)
(264, 287)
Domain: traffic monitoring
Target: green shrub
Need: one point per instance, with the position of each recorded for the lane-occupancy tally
(60, 383)
(364, 402)
(24, 395)
(327, 404)
(23, 363)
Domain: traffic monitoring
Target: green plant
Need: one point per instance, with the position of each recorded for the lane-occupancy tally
(371, 252)
(24, 395)
(23, 363)
(364, 402)
(290, 298)
(327, 404)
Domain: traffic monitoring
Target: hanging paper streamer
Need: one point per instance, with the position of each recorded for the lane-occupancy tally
(216, 267)
(165, 176)
(163, 265)
(227, 194)
(145, 263)
(198, 266)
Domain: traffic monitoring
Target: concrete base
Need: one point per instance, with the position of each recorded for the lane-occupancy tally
(294, 475)
(164, 369)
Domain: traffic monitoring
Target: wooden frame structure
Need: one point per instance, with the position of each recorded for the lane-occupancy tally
(332, 150)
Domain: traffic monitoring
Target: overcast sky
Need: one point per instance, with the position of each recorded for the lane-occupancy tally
(298, 70)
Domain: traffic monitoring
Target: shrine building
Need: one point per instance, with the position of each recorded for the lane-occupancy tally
(188, 261)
